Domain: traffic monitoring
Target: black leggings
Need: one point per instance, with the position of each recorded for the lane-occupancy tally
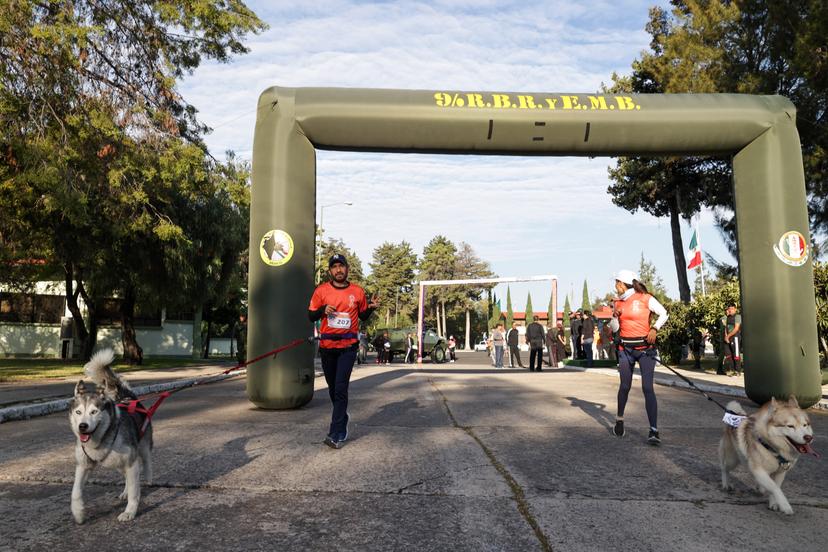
(646, 362)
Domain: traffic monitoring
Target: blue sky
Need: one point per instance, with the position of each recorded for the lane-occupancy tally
(525, 215)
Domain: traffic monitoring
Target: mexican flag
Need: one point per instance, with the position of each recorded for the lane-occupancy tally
(694, 253)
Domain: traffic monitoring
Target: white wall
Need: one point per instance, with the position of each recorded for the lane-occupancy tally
(30, 340)
(173, 339)
(43, 340)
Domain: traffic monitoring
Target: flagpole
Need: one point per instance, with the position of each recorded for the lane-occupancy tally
(698, 242)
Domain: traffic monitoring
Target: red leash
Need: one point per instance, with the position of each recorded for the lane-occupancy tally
(274, 352)
(134, 407)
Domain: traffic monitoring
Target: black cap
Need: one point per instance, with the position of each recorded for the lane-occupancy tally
(338, 258)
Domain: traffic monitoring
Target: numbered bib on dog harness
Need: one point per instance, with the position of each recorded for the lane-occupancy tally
(339, 320)
(733, 420)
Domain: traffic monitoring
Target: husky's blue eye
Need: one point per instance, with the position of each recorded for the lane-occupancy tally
(77, 411)
(95, 412)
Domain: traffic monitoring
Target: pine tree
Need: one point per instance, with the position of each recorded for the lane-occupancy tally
(585, 302)
(510, 314)
(567, 309)
(649, 277)
(529, 314)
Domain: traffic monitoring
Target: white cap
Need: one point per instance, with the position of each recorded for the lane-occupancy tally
(626, 276)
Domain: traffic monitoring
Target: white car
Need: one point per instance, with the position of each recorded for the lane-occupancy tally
(481, 345)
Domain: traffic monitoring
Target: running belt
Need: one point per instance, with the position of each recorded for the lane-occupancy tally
(338, 337)
(635, 343)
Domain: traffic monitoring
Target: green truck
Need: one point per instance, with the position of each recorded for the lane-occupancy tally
(433, 345)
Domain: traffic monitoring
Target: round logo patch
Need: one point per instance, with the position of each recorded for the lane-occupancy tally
(276, 247)
(792, 248)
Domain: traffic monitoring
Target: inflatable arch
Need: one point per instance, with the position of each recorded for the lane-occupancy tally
(780, 335)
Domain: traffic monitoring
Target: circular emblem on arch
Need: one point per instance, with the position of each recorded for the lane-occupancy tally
(276, 247)
(792, 248)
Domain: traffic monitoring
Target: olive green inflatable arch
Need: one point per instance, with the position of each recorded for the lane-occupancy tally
(780, 335)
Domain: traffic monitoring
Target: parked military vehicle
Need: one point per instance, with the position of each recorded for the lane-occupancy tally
(433, 345)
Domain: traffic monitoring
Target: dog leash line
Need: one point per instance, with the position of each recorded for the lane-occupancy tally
(689, 382)
(134, 405)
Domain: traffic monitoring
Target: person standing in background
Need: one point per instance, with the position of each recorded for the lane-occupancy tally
(498, 340)
(575, 334)
(535, 336)
(588, 333)
(513, 341)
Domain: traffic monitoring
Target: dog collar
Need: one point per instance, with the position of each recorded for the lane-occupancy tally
(784, 463)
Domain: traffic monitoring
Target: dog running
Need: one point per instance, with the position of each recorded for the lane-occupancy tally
(108, 435)
(768, 443)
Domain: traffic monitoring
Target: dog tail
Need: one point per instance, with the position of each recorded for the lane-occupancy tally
(98, 369)
(736, 408)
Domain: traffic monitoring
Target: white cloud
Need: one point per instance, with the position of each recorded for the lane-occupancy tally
(527, 215)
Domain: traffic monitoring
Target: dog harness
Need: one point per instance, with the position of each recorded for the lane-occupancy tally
(141, 415)
(784, 463)
(733, 420)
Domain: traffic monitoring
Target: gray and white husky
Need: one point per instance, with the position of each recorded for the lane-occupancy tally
(107, 435)
(768, 443)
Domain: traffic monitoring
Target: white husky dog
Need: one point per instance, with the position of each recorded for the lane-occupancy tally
(108, 435)
(768, 443)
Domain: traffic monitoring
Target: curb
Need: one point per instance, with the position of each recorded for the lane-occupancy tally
(30, 410)
(667, 381)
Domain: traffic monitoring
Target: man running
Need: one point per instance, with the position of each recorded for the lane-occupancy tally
(341, 305)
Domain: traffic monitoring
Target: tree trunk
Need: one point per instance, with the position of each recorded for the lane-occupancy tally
(92, 335)
(445, 329)
(197, 312)
(80, 333)
(678, 252)
(468, 330)
(206, 351)
(133, 353)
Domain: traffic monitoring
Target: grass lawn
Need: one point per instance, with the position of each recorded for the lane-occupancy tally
(25, 369)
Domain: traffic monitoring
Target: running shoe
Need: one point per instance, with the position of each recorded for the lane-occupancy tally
(653, 438)
(618, 430)
(347, 419)
(333, 443)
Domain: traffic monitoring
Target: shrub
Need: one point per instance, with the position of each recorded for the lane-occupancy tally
(821, 292)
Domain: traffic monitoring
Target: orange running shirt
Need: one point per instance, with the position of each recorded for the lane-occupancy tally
(341, 328)
(635, 315)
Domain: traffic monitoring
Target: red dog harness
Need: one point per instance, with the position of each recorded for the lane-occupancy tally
(142, 415)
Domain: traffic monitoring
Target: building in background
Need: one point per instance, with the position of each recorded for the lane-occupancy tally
(38, 324)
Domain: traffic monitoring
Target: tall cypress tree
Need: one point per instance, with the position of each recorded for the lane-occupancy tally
(510, 315)
(585, 304)
(529, 314)
(496, 316)
(551, 315)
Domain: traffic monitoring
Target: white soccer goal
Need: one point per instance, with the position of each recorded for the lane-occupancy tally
(424, 283)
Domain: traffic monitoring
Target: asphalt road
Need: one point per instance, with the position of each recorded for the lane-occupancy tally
(447, 457)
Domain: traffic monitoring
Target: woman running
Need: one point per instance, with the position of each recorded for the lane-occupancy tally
(631, 318)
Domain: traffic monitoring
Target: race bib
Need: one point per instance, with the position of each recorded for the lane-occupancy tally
(339, 320)
(733, 420)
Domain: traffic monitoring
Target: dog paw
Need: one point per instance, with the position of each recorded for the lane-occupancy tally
(126, 516)
(727, 488)
(79, 517)
(784, 508)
